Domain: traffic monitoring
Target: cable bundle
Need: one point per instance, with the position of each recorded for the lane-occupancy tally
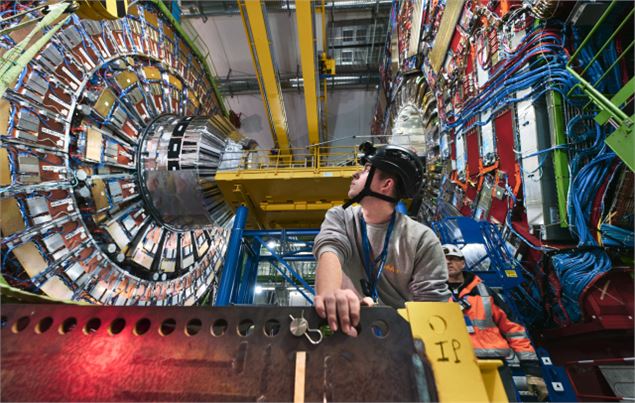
(576, 270)
(617, 237)
(596, 67)
(582, 192)
(538, 64)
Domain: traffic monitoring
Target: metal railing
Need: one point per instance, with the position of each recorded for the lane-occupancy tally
(599, 64)
(316, 157)
(583, 64)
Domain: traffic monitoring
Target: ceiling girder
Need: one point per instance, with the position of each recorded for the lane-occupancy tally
(258, 37)
(306, 42)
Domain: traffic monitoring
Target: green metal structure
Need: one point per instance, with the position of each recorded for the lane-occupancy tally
(611, 106)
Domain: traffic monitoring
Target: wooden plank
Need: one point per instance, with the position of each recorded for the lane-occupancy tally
(300, 376)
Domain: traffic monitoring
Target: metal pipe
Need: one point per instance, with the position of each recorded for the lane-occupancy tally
(241, 274)
(351, 137)
(4, 20)
(598, 98)
(243, 283)
(250, 271)
(356, 46)
(619, 59)
(230, 268)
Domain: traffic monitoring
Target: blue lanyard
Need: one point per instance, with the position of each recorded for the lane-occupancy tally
(455, 294)
(370, 266)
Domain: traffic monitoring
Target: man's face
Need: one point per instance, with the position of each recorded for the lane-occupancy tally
(358, 181)
(455, 265)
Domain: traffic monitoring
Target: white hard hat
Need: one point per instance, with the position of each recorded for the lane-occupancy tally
(452, 250)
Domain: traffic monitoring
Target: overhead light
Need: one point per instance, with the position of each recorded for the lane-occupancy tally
(272, 244)
(258, 290)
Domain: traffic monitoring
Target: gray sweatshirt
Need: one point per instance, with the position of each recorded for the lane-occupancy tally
(415, 267)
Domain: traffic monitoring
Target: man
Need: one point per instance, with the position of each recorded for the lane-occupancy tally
(492, 333)
(371, 254)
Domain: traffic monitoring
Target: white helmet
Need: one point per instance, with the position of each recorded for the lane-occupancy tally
(452, 250)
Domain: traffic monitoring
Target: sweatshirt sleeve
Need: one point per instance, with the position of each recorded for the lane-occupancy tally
(430, 274)
(332, 236)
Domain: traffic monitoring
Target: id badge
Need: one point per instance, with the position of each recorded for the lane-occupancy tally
(468, 324)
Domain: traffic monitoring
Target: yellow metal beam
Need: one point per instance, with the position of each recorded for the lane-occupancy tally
(253, 18)
(300, 206)
(324, 94)
(287, 197)
(306, 41)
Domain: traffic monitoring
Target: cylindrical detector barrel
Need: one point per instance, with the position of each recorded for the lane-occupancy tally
(178, 158)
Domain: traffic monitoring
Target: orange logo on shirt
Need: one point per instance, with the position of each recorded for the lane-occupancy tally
(391, 268)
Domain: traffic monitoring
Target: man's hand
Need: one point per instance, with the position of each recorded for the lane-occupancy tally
(538, 387)
(343, 304)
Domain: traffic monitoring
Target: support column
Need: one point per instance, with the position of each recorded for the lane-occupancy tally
(232, 258)
(241, 272)
(248, 281)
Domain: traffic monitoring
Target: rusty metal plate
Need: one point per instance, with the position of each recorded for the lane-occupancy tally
(93, 353)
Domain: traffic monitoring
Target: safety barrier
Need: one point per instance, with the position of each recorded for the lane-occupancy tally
(318, 158)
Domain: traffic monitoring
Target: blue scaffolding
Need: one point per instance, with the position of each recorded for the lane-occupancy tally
(244, 253)
(503, 270)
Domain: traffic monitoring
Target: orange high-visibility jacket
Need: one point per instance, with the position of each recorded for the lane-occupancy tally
(494, 335)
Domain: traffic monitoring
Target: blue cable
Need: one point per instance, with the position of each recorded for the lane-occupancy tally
(583, 189)
(495, 97)
(575, 271)
(20, 81)
(617, 237)
(12, 169)
(12, 119)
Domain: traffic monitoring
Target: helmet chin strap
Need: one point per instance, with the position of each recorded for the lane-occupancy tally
(367, 192)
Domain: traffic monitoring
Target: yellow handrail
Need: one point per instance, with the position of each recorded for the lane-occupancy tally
(317, 158)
